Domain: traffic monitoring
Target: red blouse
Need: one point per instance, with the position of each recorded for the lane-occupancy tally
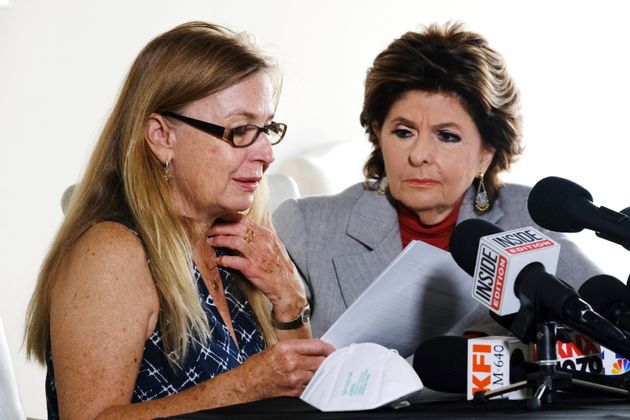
(438, 235)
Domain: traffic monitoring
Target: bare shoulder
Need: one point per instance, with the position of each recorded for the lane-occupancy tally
(108, 264)
(111, 238)
(110, 247)
(103, 307)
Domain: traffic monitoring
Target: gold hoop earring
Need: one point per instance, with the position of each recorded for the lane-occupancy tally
(482, 204)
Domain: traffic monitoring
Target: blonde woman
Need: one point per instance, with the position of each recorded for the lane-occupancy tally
(159, 296)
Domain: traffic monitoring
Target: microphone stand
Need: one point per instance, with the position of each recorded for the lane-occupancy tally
(545, 383)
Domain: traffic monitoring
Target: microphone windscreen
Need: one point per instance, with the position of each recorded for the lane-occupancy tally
(441, 363)
(549, 203)
(602, 290)
(464, 242)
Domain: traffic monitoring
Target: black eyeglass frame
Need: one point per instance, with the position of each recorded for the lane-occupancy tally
(227, 134)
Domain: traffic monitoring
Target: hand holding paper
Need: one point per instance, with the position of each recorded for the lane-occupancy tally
(421, 294)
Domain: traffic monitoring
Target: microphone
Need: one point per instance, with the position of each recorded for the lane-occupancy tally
(456, 375)
(502, 269)
(564, 206)
(444, 377)
(610, 297)
(453, 377)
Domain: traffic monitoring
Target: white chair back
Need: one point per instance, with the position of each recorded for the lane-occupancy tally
(65, 198)
(10, 404)
(328, 168)
(281, 187)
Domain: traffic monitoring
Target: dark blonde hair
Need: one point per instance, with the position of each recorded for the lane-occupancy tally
(447, 59)
(125, 178)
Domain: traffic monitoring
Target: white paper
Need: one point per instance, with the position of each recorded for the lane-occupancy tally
(423, 293)
(10, 405)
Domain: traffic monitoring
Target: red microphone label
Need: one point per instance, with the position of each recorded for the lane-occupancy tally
(581, 354)
(529, 247)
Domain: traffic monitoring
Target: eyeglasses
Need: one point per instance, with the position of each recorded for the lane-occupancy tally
(242, 136)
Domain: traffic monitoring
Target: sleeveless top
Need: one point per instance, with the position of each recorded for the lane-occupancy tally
(216, 354)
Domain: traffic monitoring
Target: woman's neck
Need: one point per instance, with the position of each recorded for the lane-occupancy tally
(437, 234)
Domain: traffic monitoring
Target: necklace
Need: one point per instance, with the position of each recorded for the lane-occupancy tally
(214, 274)
(215, 277)
(213, 269)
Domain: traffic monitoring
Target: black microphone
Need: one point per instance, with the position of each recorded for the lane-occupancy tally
(452, 376)
(563, 206)
(540, 294)
(610, 297)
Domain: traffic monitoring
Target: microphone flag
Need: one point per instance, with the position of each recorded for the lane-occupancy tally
(489, 363)
(501, 257)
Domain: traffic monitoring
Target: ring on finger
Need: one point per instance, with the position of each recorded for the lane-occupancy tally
(249, 235)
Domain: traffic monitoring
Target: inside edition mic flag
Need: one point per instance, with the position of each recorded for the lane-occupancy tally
(509, 271)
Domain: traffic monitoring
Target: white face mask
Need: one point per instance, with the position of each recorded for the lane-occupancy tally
(361, 377)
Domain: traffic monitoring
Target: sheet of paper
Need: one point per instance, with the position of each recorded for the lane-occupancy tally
(423, 293)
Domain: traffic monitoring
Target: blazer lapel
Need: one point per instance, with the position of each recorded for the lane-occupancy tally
(373, 223)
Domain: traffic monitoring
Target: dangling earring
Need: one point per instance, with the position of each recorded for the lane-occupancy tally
(167, 172)
(482, 204)
(383, 186)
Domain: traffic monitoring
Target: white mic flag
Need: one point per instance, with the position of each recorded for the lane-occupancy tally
(501, 257)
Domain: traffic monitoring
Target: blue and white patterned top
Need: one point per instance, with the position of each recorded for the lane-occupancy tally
(219, 353)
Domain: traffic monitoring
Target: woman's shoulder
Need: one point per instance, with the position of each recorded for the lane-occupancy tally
(109, 251)
(324, 203)
(511, 206)
(106, 268)
(324, 213)
(113, 238)
(514, 190)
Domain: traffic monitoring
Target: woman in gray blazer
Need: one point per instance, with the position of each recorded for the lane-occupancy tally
(443, 116)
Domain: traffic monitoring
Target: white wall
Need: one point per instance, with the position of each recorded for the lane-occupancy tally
(61, 64)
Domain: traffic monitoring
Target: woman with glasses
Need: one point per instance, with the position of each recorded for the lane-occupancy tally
(166, 291)
(443, 116)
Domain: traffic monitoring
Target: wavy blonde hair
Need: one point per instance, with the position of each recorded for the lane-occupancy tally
(125, 178)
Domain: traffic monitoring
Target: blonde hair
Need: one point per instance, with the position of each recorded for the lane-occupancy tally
(125, 178)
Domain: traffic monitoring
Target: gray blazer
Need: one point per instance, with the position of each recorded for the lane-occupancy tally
(341, 243)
